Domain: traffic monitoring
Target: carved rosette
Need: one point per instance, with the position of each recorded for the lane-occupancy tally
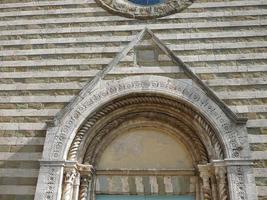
(129, 9)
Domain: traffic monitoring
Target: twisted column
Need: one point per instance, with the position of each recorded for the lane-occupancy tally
(70, 175)
(220, 173)
(84, 188)
(86, 172)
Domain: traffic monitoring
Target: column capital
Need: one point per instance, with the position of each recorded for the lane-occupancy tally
(86, 170)
(205, 170)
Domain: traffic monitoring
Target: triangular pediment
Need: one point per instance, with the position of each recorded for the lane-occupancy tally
(132, 60)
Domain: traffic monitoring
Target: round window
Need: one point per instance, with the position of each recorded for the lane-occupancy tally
(144, 9)
(145, 2)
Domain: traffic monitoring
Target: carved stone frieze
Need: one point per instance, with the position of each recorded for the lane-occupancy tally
(129, 9)
(238, 184)
(50, 184)
(183, 90)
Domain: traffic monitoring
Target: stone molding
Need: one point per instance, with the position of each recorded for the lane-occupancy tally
(229, 128)
(232, 135)
(108, 133)
(113, 121)
(132, 10)
(147, 33)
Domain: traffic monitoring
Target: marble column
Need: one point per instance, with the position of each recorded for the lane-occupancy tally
(83, 194)
(214, 186)
(70, 175)
(220, 173)
(204, 172)
(86, 172)
(76, 187)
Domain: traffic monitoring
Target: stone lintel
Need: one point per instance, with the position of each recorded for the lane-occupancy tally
(52, 163)
(233, 162)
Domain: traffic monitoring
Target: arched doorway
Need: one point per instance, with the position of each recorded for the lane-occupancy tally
(148, 144)
(213, 137)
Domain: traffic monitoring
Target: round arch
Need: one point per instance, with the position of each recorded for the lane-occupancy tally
(152, 107)
(60, 137)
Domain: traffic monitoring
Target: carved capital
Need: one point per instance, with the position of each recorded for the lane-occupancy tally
(70, 175)
(86, 170)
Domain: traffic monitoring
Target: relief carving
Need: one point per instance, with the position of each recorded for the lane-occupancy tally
(221, 178)
(230, 133)
(214, 182)
(76, 181)
(238, 181)
(153, 85)
(50, 184)
(70, 176)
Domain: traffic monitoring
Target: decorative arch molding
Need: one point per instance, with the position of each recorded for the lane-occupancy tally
(94, 152)
(232, 134)
(167, 111)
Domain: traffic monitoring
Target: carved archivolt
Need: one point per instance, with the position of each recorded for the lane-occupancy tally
(182, 106)
(144, 110)
(182, 111)
(106, 135)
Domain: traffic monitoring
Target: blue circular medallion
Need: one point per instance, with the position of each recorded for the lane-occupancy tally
(144, 9)
(146, 2)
